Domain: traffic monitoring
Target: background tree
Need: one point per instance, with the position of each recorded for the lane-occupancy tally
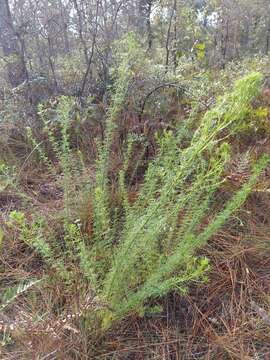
(12, 46)
(69, 42)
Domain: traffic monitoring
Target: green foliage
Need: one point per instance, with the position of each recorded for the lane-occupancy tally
(259, 122)
(145, 249)
(200, 49)
(38, 147)
(138, 203)
(12, 293)
(129, 57)
(66, 163)
(32, 234)
(154, 241)
(7, 176)
(1, 237)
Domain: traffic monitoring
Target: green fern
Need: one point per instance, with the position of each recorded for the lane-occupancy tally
(12, 293)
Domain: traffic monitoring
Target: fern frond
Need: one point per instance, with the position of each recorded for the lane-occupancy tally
(12, 293)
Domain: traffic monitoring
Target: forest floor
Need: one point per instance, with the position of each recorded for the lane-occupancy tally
(226, 318)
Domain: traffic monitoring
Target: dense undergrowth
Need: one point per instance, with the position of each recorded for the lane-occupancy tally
(112, 225)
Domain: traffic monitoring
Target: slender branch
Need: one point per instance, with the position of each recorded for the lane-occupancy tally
(90, 60)
(172, 85)
(169, 36)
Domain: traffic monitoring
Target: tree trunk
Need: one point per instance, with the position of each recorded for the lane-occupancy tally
(267, 45)
(148, 24)
(80, 30)
(16, 68)
(168, 38)
(224, 44)
(175, 37)
(144, 20)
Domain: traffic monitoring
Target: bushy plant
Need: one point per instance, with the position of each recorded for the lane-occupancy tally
(155, 241)
(147, 248)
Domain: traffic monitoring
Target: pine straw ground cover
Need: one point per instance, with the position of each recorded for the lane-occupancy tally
(226, 318)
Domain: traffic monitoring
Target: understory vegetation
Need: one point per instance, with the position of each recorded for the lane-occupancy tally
(136, 225)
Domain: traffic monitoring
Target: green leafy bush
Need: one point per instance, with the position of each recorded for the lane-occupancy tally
(149, 247)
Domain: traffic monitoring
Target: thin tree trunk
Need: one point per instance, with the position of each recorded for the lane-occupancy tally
(90, 59)
(24, 64)
(267, 41)
(51, 63)
(169, 36)
(225, 40)
(80, 30)
(16, 68)
(148, 24)
(175, 37)
(64, 27)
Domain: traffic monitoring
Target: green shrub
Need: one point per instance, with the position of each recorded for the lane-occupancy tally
(155, 246)
(149, 248)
